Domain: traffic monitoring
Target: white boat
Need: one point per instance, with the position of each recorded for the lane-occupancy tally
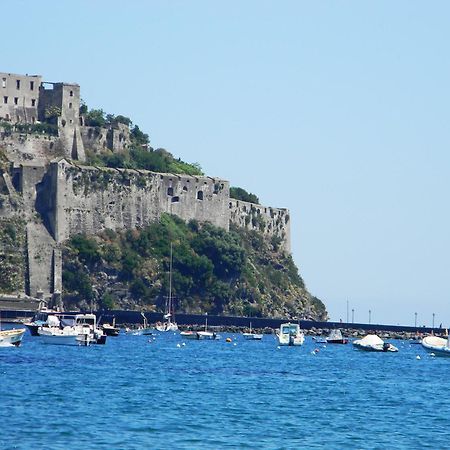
(250, 336)
(438, 346)
(290, 334)
(373, 343)
(79, 329)
(189, 335)
(335, 337)
(12, 337)
(200, 335)
(169, 323)
(141, 329)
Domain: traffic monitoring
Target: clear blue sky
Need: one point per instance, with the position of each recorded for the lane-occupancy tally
(338, 111)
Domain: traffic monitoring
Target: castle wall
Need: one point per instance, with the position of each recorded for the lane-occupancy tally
(267, 220)
(19, 97)
(31, 147)
(88, 199)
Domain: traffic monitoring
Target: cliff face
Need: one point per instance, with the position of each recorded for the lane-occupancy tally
(236, 272)
(50, 199)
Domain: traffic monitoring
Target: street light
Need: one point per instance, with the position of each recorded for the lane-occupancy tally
(347, 311)
(433, 320)
(415, 320)
(370, 313)
(353, 315)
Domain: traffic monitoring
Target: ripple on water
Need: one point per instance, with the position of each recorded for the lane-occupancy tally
(132, 394)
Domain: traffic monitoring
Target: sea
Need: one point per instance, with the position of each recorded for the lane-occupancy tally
(160, 392)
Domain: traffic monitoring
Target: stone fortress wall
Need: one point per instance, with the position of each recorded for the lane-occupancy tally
(58, 197)
(89, 199)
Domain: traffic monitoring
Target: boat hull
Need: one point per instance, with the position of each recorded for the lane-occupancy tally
(337, 341)
(252, 336)
(436, 345)
(11, 337)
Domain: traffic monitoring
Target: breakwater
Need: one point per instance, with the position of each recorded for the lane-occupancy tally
(135, 317)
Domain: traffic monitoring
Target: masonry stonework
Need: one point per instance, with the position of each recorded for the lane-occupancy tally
(58, 197)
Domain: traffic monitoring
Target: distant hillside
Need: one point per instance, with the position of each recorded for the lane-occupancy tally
(236, 272)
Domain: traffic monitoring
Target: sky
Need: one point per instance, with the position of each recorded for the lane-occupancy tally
(336, 110)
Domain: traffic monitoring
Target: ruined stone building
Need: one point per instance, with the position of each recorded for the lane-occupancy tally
(44, 183)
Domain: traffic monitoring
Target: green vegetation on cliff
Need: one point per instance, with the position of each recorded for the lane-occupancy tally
(12, 255)
(241, 194)
(215, 271)
(140, 155)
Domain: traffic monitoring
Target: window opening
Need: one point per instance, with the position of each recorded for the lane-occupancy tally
(71, 93)
(31, 85)
(4, 82)
(16, 100)
(170, 191)
(175, 199)
(70, 105)
(5, 99)
(18, 84)
(200, 195)
(33, 102)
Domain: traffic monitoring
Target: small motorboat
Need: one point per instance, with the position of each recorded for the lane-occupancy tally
(79, 329)
(39, 319)
(250, 336)
(373, 343)
(110, 329)
(11, 337)
(437, 345)
(290, 334)
(199, 335)
(335, 337)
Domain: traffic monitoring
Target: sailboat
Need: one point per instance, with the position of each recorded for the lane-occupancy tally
(252, 336)
(169, 323)
(12, 337)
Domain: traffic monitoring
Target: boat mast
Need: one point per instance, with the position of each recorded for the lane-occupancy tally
(170, 284)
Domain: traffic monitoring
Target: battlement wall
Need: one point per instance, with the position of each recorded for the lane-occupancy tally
(91, 199)
(267, 220)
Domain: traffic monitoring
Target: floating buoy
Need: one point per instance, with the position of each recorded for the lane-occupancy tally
(432, 354)
(417, 357)
(235, 344)
(278, 348)
(228, 339)
(183, 344)
(178, 345)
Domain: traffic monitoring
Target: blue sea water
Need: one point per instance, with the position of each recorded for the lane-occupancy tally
(136, 392)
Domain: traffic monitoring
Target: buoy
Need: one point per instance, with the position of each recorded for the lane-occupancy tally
(316, 350)
(235, 344)
(178, 345)
(228, 339)
(417, 357)
(278, 348)
(183, 344)
(432, 354)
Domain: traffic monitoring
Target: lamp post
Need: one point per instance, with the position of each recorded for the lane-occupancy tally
(433, 320)
(415, 320)
(353, 315)
(347, 311)
(370, 313)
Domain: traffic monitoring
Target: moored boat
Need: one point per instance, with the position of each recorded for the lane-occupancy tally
(373, 343)
(11, 337)
(290, 334)
(169, 323)
(335, 337)
(250, 336)
(437, 345)
(39, 319)
(79, 329)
